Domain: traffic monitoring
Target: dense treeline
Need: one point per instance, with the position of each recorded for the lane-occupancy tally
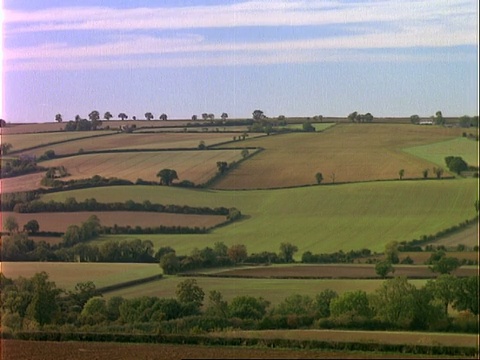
(19, 166)
(91, 204)
(37, 303)
(336, 257)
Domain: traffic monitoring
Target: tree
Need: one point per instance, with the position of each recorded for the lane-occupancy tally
(439, 119)
(170, 263)
(391, 252)
(467, 294)
(107, 116)
(322, 303)
(258, 115)
(148, 116)
(167, 176)
(163, 117)
(201, 145)
(352, 304)
(31, 227)
(401, 172)
(123, 116)
(3, 123)
(5, 148)
(296, 304)
(425, 173)
(368, 118)
(224, 116)
(438, 172)
(445, 265)
(352, 116)
(237, 253)
(319, 178)
(188, 292)
(205, 116)
(216, 305)
(465, 121)
(245, 153)
(287, 251)
(456, 164)
(222, 166)
(248, 307)
(10, 224)
(94, 116)
(94, 311)
(58, 118)
(445, 289)
(43, 303)
(382, 268)
(194, 117)
(414, 119)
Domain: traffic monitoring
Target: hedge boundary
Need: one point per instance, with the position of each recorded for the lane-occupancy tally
(205, 340)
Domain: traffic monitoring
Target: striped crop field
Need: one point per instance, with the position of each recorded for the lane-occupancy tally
(436, 153)
(136, 141)
(58, 222)
(343, 153)
(316, 218)
(197, 166)
(67, 275)
(21, 183)
(24, 141)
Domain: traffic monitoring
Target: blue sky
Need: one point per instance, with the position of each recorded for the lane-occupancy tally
(295, 58)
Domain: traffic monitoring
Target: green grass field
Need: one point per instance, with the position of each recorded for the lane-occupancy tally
(67, 275)
(436, 153)
(273, 290)
(317, 218)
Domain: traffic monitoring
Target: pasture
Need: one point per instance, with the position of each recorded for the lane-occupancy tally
(67, 275)
(383, 337)
(335, 271)
(317, 218)
(58, 222)
(273, 290)
(197, 166)
(136, 141)
(437, 152)
(343, 153)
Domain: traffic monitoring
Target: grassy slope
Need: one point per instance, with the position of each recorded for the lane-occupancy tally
(436, 153)
(273, 290)
(353, 152)
(319, 218)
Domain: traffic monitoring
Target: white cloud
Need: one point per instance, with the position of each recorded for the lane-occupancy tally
(405, 24)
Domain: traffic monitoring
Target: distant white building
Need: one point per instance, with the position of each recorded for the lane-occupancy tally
(426, 122)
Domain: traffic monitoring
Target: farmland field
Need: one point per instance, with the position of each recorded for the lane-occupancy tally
(317, 218)
(58, 222)
(467, 237)
(347, 152)
(273, 290)
(337, 271)
(21, 183)
(383, 337)
(436, 153)
(40, 350)
(197, 166)
(67, 275)
(136, 142)
(24, 141)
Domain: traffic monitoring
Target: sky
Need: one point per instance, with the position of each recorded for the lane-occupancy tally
(186, 57)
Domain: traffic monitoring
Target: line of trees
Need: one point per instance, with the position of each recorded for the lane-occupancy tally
(91, 204)
(36, 303)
